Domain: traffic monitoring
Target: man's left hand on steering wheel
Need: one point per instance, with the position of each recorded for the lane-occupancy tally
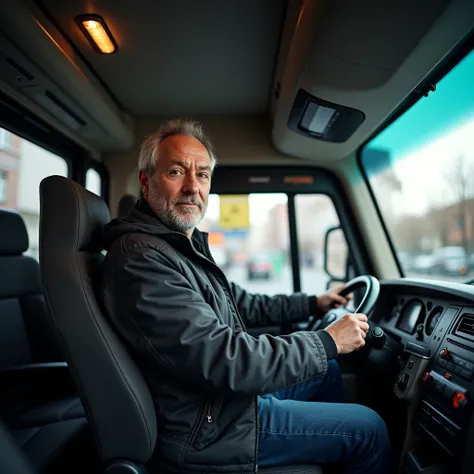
(331, 299)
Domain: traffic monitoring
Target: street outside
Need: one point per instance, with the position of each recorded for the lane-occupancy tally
(313, 280)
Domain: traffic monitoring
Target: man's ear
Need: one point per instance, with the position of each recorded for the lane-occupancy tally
(144, 179)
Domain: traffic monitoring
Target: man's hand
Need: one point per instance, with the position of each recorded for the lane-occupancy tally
(331, 299)
(349, 332)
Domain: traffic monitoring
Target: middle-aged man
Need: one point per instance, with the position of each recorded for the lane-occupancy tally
(225, 401)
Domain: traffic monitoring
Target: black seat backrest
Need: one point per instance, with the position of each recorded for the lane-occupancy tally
(26, 335)
(126, 204)
(114, 393)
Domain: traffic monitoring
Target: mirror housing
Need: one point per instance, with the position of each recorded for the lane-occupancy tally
(336, 255)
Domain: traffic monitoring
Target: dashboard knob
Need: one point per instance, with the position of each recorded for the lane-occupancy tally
(426, 377)
(378, 337)
(444, 354)
(459, 400)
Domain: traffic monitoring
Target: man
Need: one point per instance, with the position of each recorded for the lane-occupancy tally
(225, 401)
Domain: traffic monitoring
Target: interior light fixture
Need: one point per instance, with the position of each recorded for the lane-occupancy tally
(97, 32)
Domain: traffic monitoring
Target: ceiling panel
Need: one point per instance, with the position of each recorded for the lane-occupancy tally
(183, 57)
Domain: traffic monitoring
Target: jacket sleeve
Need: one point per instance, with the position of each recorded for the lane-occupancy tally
(169, 324)
(260, 310)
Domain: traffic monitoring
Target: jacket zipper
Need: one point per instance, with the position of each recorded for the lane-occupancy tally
(234, 304)
(204, 414)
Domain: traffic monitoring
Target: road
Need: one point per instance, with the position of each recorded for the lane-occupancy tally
(312, 280)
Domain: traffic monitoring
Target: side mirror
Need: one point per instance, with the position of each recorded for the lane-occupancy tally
(336, 255)
(338, 263)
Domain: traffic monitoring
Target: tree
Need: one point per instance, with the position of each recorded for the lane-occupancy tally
(460, 182)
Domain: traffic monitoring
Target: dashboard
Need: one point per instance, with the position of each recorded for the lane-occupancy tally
(421, 314)
(433, 322)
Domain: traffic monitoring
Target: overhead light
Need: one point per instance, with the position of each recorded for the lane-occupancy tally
(316, 118)
(323, 120)
(97, 32)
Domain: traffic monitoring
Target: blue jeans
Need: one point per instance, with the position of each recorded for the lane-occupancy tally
(308, 423)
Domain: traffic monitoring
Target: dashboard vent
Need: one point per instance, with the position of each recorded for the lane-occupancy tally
(465, 327)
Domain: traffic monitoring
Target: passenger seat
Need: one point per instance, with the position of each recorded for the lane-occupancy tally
(37, 397)
(125, 205)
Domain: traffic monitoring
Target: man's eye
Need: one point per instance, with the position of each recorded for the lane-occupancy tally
(175, 172)
(204, 175)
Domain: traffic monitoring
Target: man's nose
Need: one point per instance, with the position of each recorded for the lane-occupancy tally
(190, 185)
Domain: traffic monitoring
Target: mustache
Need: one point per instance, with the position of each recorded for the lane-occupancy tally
(189, 200)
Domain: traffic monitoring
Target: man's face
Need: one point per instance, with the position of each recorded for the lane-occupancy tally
(177, 191)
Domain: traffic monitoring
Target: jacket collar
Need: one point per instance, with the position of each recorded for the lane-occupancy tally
(144, 212)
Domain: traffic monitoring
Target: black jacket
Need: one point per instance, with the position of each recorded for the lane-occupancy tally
(185, 326)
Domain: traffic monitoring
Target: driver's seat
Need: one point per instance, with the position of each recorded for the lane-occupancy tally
(115, 396)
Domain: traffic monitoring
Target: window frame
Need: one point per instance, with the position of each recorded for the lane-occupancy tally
(104, 175)
(232, 179)
(17, 119)
(427, 85)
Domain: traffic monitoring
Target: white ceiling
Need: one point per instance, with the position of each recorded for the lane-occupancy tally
(227, 58)
(183, 57)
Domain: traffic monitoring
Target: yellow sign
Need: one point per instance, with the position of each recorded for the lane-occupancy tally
(234, 212)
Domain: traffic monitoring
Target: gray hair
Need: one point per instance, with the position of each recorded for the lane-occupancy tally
(149, 149)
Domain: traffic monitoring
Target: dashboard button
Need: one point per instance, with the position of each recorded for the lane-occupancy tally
(467, 374)
(444, 353)
(456, 369)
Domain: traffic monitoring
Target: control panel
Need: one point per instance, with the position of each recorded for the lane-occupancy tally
(447, 397)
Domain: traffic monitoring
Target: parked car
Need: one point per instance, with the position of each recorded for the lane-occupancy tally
(451, 260)
(423, 263)
(260, 266)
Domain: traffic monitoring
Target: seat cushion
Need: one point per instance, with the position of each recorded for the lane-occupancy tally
(43, 444)
(46, 431)
(300, 469)
(13, 461)
(47, 413)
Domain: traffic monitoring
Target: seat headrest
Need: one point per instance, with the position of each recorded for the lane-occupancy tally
(13, 234)
(77, 215)
(125, 204)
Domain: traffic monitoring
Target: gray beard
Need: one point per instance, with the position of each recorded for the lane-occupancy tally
(177, 221)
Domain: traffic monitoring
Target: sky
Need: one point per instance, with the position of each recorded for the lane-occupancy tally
(425, 141)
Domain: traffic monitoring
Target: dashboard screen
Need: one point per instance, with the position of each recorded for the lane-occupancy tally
(409, 316)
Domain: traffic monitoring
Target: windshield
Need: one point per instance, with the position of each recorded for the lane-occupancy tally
(421, 170)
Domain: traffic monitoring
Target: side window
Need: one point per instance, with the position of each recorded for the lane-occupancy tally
(23, 165)
(3, 187)
(7, 140)
(315, 216)
(249, 240)
(94, 181)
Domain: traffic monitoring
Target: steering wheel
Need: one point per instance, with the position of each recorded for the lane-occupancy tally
(367, 304)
